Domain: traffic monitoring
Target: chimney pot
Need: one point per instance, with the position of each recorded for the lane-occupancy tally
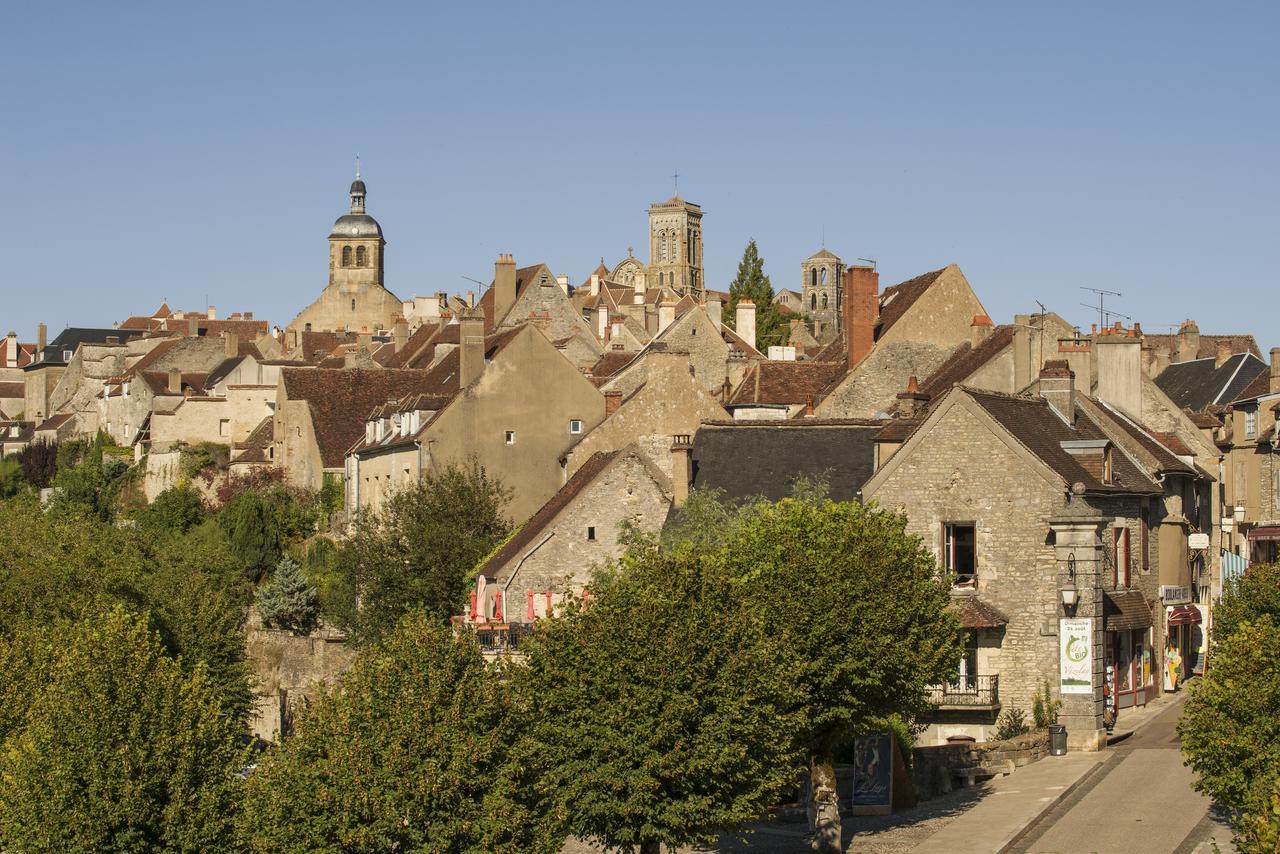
(612, 400)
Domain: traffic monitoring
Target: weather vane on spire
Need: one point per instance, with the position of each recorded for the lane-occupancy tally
(357, 165)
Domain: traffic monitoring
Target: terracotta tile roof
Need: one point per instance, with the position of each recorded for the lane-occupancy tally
(789, 383)
(1175, 444)
(340, 399)
(975, 613)
(833, 351)
(1124, 610)
(1038, 428)
(896, 299)
(420, 338)
(255, 445)
(12, 389)
(965, 360)
(53, 422)
(1203, 420)
(611, 362)
(1166, 460)
(898, 430)
(319, 345)
(529, 532)
(24, 352)
(1208, 344)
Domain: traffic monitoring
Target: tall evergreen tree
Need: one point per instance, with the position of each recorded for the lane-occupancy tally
(287, 600)
(752, 283)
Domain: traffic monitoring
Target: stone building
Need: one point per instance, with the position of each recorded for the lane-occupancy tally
(511, 401)
(1249, 439)
(675, 252)
(356, 297)
(988, 481)
(822, 293)
(553, 555)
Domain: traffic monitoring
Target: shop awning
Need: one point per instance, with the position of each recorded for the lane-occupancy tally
(1184, 615)
(1266, 532)
(1124, 610)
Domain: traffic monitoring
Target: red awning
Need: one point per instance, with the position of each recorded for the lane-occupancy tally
(1184, 615)
(1268, 532)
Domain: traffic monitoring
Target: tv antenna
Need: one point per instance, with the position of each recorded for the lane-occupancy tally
(1101, 307)
(870, 261)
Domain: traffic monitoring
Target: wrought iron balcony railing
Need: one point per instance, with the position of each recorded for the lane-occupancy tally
(502, 637)
(966, 691)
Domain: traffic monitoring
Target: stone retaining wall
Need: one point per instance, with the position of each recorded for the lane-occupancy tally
(933, 768)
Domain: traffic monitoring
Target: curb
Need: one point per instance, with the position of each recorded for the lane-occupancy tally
(1048, 807)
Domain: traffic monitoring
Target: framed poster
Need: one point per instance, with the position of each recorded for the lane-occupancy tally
(1075, 656)
(873, 774)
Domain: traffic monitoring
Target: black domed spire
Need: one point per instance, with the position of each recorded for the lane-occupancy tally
(357, 191)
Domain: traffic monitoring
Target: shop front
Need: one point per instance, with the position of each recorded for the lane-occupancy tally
(1131, 660)
(1183, 645)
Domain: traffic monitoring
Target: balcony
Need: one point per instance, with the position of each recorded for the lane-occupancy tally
(502, 637)
(966, 692)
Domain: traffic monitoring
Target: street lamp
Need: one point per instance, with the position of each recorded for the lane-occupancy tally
(1070, 595)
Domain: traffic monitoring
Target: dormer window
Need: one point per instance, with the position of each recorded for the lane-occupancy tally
(67, 354)
(1108, 472)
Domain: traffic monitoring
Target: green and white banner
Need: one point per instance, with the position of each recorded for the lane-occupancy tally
(1075, 655)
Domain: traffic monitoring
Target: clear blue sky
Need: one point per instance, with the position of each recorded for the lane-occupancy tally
(178, 150)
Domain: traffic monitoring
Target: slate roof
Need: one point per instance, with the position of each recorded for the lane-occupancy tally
(71, 339)
(785, 382)
(340, 399)
(975, 613)
(1038, 428)
(965, 360)
(530, 530)
(745, 459)
(1201, 383)
(1257, 387)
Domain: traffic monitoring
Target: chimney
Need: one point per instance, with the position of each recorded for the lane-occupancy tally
(563, 281)
(471, 351)
(912, 402)
(667, 315)
(1118, 361)
(212, 313)
(612, 400)
(1223, 352)
(602, 320)
(808, 404)
(746, 321)
(11, 350)
(862, 310)
(650, 319)
(230, 345)
(248, 315)
(471, 299)
(595, 285)
(175, 381)
(1275, 369)
(1058, 387)
(42, 336)
(504, 286)
(715, 310)
(401, 335)
(979, 330)
(193, 326)
(1188, 342)
(681, 448)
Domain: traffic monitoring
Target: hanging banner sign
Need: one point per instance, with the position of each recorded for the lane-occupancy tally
(1075, 656)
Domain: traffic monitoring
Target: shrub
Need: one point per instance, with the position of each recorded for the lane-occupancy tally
(1011, 724)
(1045, 706)
(39, 461)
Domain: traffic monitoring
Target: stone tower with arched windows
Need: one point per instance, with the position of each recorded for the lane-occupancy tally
(355, 299)
(820, 291)
(675, 247)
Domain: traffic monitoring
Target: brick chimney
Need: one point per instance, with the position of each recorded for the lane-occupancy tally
(42, 336)
(401, 334)
(471, 349)
(715, 310)
(681, 449)
(746, 321)
(667, 314)
(175, 381)
(504, 286)
(1223, 352)
(1188, 342)
(1058, 387)
(11, 350)
(230, 345)
(861, 311)
(979, 329)
(1275, 369)
(612, 400)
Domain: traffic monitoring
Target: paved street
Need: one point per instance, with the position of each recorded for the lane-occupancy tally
(1139, 799)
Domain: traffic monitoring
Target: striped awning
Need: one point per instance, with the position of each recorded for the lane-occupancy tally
(1183, 615)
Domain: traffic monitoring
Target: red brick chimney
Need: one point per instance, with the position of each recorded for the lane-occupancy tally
(612, 400)
(861, 311)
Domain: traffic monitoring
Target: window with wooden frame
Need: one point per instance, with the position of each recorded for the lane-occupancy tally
(959, 551)
(1120, 555)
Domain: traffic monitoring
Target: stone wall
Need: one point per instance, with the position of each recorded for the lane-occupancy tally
(933, 768)
(287, 667)
(874, 384)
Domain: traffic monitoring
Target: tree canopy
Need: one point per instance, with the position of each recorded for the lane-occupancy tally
(752, 283)
(408, 753)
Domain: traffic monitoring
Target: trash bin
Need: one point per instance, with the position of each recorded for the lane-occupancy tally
(1057, 740)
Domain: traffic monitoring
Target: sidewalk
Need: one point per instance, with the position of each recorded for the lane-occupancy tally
(1011, 804)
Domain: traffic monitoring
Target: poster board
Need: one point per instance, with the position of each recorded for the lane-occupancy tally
(1075, 656)
(873, 763)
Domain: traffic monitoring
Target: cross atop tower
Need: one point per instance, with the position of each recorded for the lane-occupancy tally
(675, 178)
